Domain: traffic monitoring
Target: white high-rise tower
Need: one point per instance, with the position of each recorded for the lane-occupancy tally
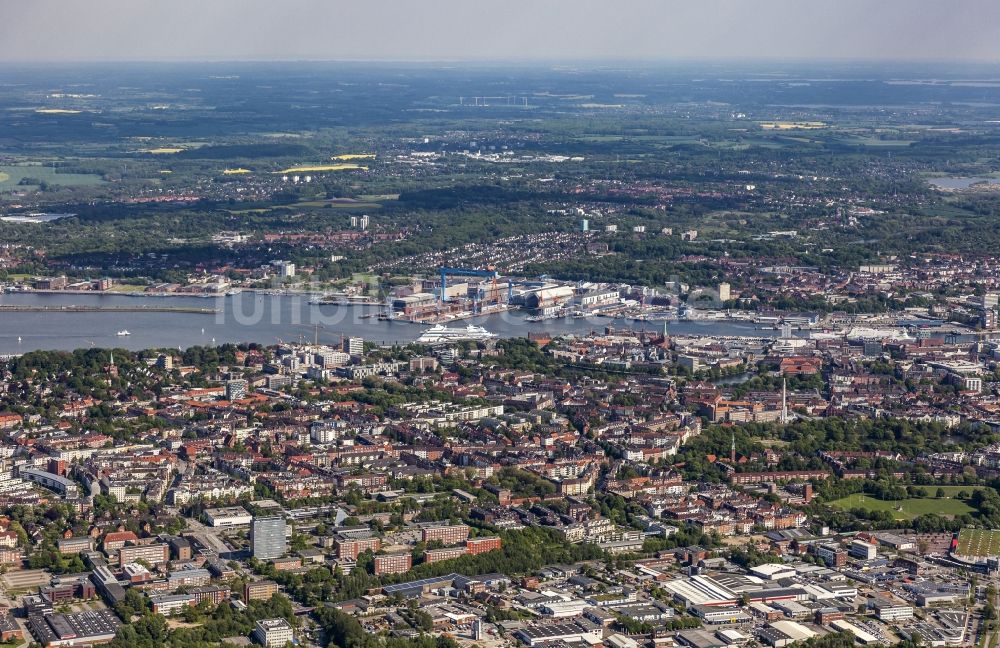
(784, 400)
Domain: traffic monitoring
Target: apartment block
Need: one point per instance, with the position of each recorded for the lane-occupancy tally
(476, 546)
(449, 534)
(395, 563)
(447, 553)
(153, 554)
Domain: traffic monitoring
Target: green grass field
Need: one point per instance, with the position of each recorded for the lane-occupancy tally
(658, 139)
(978, 542)
(951, 491)
(10, 176)
(876, 142)
(905, 509)
(326, 204)
(128, 288)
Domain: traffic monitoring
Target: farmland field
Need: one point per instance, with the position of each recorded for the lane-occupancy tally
(323, 167)
(979, 542)
(904, 509)
(10, 176)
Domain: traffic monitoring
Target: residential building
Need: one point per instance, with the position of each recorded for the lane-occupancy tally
(354, 346)
(447, 553)
(152, 553)
(236, 389)
(273, 632)
(259, 590)
(477, 546)
(449, 534)
(394, 563)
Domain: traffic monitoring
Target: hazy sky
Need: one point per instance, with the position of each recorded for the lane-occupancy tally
(69, 30)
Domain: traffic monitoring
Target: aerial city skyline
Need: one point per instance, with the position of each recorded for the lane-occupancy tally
(497, 324)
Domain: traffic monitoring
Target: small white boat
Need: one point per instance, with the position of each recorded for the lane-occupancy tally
(122, 333)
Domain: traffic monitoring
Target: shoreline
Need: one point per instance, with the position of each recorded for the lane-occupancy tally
(115, 293)
(71, 308)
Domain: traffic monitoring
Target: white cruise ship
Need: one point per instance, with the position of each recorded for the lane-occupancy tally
(441, 333)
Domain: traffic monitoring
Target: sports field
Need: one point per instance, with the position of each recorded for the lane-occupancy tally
(906, 509)
(978, 542)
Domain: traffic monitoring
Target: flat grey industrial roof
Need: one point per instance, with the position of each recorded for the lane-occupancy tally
(419, 584)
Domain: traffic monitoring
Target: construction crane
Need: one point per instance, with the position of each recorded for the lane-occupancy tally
(315, 328)
(496, 290)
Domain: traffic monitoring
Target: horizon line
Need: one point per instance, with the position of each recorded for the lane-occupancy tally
(544, 61)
